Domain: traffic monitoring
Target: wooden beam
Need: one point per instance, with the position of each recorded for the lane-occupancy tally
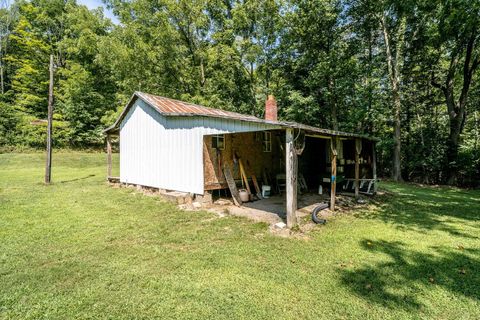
(215, 186)
(358, 150)
(291, 175)
(333, 178)
(374, 166)
(109, 156)
(317, 136)
(255, 181)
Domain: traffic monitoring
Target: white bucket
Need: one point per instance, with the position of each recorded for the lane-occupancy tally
(266, 190)
(243, 193)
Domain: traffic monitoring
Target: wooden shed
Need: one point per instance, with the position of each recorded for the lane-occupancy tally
(175, 145)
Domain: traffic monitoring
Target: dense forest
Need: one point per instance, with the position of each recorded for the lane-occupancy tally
(404, 71)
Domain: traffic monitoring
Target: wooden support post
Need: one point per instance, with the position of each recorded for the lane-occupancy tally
(291, 175)
(48, 164)
(358, 150)
(109, 156)
(374, 167)
(333, 178)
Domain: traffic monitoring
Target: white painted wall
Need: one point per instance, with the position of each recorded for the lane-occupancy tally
(167, 152)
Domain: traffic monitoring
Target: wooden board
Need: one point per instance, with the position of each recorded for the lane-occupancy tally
(227, 172)
(257, 187)
(255, 182)
(244, 176)
(215, 186)
(302, 183)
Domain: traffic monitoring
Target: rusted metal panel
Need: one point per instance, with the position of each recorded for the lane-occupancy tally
(174, 107)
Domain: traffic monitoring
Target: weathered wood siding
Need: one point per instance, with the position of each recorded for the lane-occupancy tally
(247, 147)
(167, 152)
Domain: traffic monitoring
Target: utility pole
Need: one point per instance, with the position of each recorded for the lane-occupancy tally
(48, 166)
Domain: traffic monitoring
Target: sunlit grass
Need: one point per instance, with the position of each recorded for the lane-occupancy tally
(81, 249)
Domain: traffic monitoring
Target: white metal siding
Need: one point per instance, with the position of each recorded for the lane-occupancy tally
(167, 152)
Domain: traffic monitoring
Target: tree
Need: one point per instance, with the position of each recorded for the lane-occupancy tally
(406, 72)
(27, 62)
(394, 56)
(8, 14)
(86, 88)
(457, 41)
(316, 64)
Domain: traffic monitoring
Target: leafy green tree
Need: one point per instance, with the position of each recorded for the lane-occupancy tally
(406, 72)
(27, 62)
(86, 90)
(455, 39)
(316, 63)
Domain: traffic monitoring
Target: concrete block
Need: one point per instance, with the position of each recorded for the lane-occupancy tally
(280, 225)
(205, 198)
(196, 205)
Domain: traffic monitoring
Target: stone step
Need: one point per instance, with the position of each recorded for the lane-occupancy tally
(176, 197)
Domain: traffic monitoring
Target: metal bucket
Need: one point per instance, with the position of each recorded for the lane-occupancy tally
(243, 193)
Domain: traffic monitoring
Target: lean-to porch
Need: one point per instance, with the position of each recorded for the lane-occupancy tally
(285, 170)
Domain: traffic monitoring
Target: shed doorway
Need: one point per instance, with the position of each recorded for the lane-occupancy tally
(262, 156)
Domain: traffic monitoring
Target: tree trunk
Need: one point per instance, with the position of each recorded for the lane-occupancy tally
(457, 108)
(1, 80)
(334, 116)
(394, 75)
(202, 73)
(397, 138)
(2, 85)
(422, 143)
(452, 149)
(333, 104)
(477, 132)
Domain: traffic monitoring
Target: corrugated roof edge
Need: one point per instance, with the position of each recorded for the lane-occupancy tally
(275, 124)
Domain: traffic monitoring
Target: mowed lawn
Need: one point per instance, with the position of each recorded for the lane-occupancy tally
(80, 249)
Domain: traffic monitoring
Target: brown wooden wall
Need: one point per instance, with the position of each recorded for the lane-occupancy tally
(248, 147)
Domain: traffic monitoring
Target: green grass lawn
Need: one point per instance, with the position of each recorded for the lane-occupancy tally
(80, 249)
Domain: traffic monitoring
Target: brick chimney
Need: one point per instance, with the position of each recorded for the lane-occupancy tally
(271, 109)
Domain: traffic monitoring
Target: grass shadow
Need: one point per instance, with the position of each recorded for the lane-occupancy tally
(405, 274)
(425, 208)
(77, 179)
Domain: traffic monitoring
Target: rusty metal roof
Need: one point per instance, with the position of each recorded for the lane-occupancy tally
(172, 107)
(176, 108)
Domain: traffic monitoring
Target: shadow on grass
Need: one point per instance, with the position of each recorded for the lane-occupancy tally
(77, 179)
(405, 274)
(427, 208)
